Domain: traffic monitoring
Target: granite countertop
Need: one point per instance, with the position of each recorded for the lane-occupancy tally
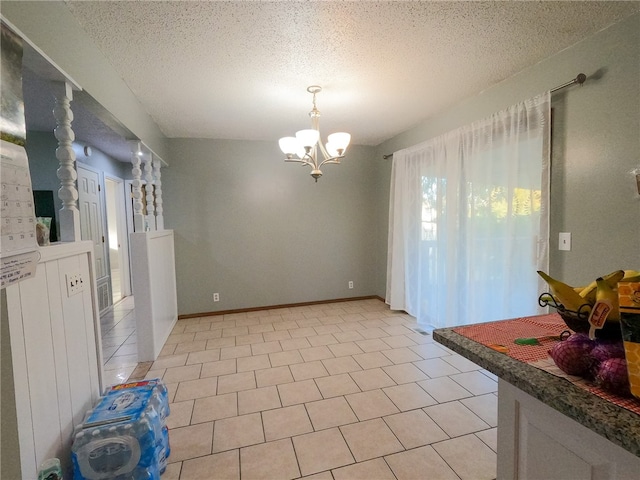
(613, 422)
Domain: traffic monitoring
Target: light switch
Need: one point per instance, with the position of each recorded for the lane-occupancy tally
(564, 241)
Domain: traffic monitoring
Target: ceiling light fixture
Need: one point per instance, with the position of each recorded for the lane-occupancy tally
(303, 148)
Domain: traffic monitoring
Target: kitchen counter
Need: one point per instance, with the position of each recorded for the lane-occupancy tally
(618, 425)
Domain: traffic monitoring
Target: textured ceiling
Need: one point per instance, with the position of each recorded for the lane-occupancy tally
(239, 70)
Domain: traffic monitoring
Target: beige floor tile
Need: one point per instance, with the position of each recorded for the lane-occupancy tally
(399, 341)
(179, 338)
(401, 355)
(373, 332)
(305, 371)
(166, 350)
(286, 422)
(351, 326)
(235, 352)
(372, 469)
(273, 376)
(455, 419)
(348, 336)
(329, 413)
(191, 442)
(247, 322)
(256, 362)
(413, 464)
(327, 329)
(266, 347)
(278, 334)
(203, 387)
(221, 343)
(336, 366)
(180, 414)
(436, 367)
(258, 399)
(294, 343)
(359, 435)
(489, 437)
(224, 465)
(484, 406)
(195, 346)
(285, 325)
(431, 350)
(172, 472)
(372, 404)
(234, 331)
(336, 385)
(281, 464)
(249, 339)
(405, 373)
(197, 327)
(397, 330)
(372, 379)
(372, 345)
(208, 335)
(345, 349)
(324, 339)
(373, 323)
(459, 362)
(290, 357)
(320, 451)
(415, 429)
(170, 361)
(236, 382)
(306, 331)
(318, 353)
(260, 328)
(179, 374)
(214, 408)
(372, 360)
(237, 432)
(476, 382)
(215, 369)
(409, 396)
(204, 356)
(469, 457)
(299, 392)
(443, 389)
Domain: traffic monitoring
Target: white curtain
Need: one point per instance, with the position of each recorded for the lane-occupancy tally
(468, 220)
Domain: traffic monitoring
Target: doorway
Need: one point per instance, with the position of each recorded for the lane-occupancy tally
(117, 238)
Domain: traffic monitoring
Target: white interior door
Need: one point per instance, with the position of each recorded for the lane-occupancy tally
(91, 221)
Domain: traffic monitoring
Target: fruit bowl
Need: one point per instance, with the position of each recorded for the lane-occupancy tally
(579, 321)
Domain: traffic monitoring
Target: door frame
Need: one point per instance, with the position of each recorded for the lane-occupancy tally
(123, 233)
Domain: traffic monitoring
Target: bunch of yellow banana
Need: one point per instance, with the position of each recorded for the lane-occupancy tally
(605, 288)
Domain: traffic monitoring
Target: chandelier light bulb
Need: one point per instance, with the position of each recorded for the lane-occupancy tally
(308, 138)
(289, 145)
(340, 141)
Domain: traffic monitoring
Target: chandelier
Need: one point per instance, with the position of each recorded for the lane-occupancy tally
(303, 148)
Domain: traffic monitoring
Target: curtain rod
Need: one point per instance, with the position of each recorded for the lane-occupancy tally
(580, 79)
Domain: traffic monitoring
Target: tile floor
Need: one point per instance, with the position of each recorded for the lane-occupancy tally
(334, 391)
(119, 348)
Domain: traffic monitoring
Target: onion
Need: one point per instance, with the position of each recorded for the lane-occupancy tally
(612, 376)
(572, 356)
(607, 349)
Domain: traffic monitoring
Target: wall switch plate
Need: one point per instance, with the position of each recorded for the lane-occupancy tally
(564, 241)
(75, 283)
(350, 283)
(216, 297)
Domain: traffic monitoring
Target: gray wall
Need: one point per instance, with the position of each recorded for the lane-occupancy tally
(260, 232)
(596, 144)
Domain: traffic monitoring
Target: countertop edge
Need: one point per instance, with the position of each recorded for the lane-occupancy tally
(617, 424)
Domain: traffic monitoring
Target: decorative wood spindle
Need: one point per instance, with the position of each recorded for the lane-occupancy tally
(68, 192)
(148, 176)
(136, 184)
(157, 164)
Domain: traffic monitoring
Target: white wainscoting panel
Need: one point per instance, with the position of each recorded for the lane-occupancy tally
(56, 353)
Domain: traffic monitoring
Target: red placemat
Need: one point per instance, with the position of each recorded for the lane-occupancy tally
(504, 332)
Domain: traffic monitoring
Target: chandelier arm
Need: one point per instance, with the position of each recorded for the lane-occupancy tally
(335, 160)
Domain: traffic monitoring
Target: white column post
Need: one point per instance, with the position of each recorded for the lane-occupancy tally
(148, 176)
(157, 164)
(68, 192)
(138, 217)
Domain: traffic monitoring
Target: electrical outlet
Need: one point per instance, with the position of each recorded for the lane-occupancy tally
(350, 283)
(75, 283)
(216, 297)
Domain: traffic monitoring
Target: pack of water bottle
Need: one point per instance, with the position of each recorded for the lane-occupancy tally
(125, 436)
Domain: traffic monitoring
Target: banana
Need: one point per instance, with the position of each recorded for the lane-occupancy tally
(565, 294)
(589, 292)
(631, 276)
(609, 295)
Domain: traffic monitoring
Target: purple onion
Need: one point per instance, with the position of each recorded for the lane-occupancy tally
(572, 356)
(605, 350)
(613, 377)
